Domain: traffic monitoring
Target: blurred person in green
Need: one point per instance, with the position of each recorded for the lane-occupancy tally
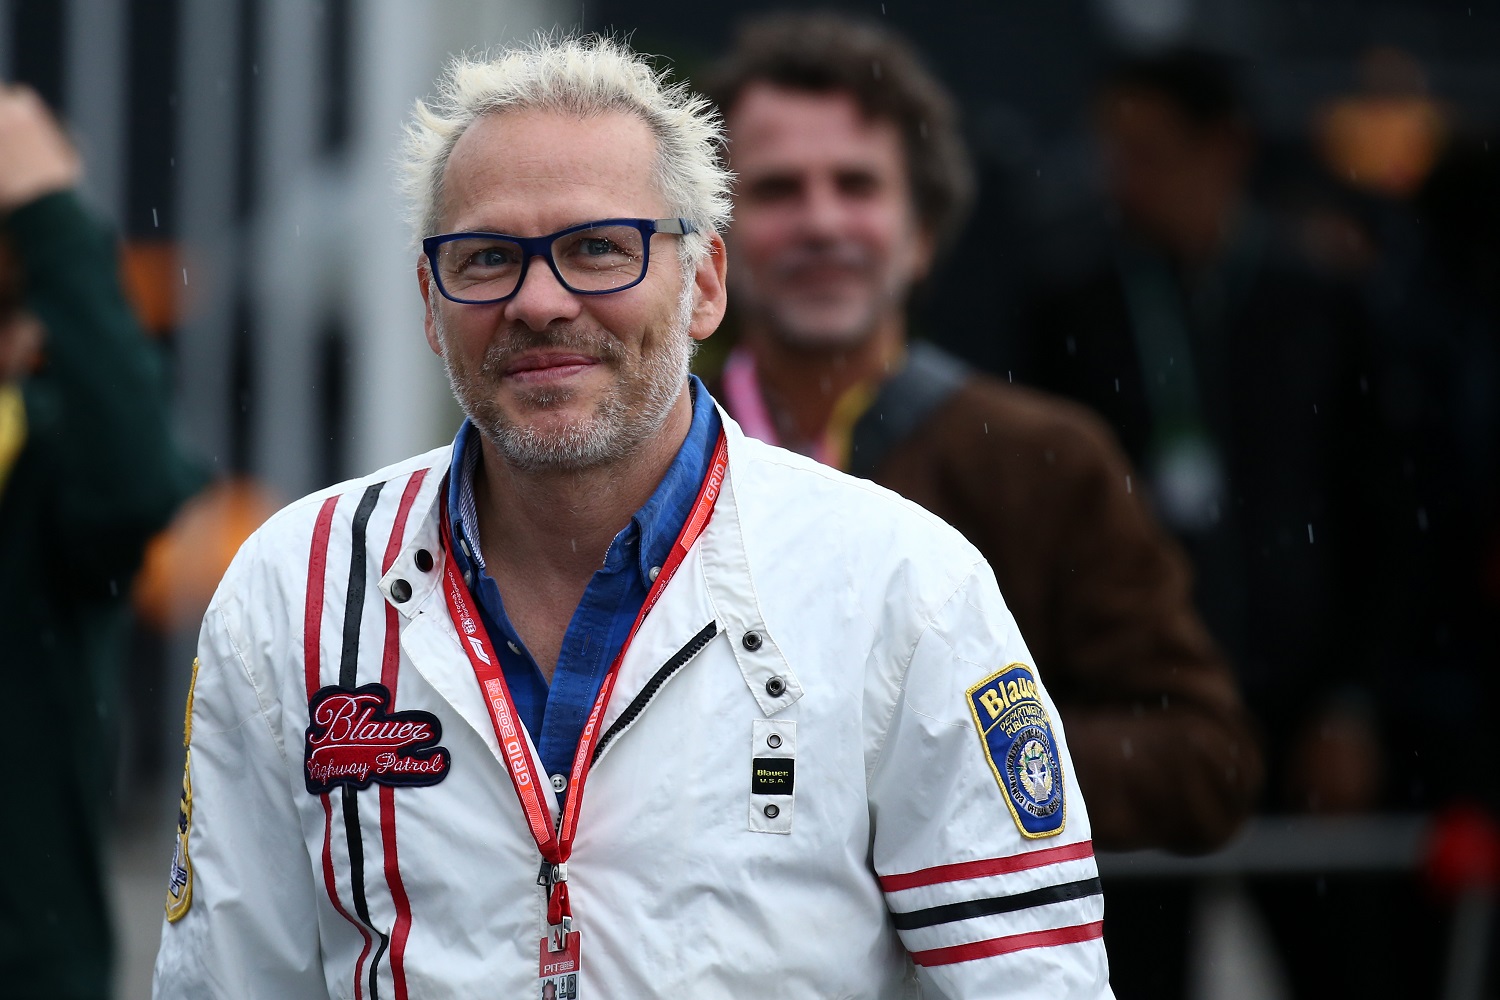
(88, 473)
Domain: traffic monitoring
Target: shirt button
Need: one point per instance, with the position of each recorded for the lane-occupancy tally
(751, 640)
(469, 577)
(513, 647)
(424, 560)
(559, 782)
(655, 572)
(401, 591)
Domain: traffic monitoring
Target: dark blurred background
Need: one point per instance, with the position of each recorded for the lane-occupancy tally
(244, 149)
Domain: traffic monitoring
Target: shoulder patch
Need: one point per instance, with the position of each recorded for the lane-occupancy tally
(355, 739)
(1016, 734)
(180, 878)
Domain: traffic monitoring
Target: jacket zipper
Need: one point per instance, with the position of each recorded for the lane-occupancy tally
(678, 660)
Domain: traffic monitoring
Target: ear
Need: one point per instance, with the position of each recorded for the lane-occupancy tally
(924, 250)
(430, 295)
(711, 299)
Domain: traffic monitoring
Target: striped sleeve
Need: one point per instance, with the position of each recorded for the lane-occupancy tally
(982, 843)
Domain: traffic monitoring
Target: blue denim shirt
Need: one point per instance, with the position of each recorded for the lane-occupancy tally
(555, 715)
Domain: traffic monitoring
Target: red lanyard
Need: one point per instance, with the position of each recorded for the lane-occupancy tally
(556, 845)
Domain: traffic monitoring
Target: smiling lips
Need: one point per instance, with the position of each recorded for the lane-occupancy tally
(542, 366)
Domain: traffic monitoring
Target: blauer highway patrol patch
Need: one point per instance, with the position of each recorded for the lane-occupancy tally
(1016, 733)
(180, 879)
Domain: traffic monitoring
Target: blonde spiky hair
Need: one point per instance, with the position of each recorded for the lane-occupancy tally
(577, 76)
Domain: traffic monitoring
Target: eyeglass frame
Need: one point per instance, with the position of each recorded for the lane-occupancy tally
(541, 246)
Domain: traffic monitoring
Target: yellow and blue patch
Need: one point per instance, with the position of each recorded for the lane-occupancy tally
(1016, 733)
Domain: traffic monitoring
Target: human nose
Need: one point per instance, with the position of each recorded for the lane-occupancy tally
(823, 213)
(541, 298)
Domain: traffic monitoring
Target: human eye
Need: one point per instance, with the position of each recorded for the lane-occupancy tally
(480, 256)
(606, 248)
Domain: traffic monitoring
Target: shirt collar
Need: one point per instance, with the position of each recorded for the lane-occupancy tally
(656, 524)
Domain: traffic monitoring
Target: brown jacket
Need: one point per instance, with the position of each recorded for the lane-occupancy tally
(1166, 755)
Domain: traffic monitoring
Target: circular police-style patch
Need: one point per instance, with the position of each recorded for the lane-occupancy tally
(1032, 776)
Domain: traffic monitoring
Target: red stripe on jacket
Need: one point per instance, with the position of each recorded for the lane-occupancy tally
(988, 866)
(389, 669)
(312, 657)
(1007, 945)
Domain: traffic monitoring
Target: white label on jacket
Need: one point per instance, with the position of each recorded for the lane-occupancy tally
(773, 775)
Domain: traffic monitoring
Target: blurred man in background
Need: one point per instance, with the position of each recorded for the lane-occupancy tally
(852, 177)
(87, 474)
(1239, 376)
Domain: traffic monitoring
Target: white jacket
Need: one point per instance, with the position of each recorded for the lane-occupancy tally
(896, 843)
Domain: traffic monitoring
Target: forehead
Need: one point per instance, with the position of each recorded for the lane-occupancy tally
(533, 172)
(775, 128)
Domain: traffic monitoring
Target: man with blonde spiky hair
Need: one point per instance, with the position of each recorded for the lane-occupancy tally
(793, 699)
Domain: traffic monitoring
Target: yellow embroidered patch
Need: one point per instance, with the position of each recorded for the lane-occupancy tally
(180, 879)
(1016, 735)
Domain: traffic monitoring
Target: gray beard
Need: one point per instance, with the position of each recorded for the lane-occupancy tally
(619, 424)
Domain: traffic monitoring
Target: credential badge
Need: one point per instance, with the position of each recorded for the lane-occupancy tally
(1016, 734)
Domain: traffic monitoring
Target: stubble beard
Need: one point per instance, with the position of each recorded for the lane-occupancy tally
(808, 327)
(629, 412)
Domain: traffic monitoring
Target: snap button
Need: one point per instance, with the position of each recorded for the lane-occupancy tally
(772, 811)
(751, 640)
(513, 647)
(401, 591)
(559, 782)
(773, 741)
(424, 560)
(463, 543)
(655, 572)
(775, 687)
(469, 577)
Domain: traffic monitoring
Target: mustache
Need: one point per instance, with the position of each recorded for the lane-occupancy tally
(500, 353)
(841, 254)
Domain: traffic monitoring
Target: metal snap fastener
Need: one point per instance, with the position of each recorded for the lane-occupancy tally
(772, 811)
(401, 591)
(775, 687)
(773, 741)
(424, 560)
(655, 572)
(751, 640)
(559, 782)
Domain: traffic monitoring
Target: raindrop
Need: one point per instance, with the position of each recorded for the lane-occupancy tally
(1421, 518)
(184, 277)
(1127, 485)
(1010, 376)
(1117, 385)
(1315, 409)
(155, 222)
(1309, 533)
(986, 426)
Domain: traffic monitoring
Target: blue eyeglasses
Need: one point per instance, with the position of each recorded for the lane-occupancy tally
(594, 258)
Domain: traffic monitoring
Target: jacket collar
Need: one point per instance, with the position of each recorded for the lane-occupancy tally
(720, 587)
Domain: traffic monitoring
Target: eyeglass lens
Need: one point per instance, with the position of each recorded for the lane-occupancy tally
(590, 260)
